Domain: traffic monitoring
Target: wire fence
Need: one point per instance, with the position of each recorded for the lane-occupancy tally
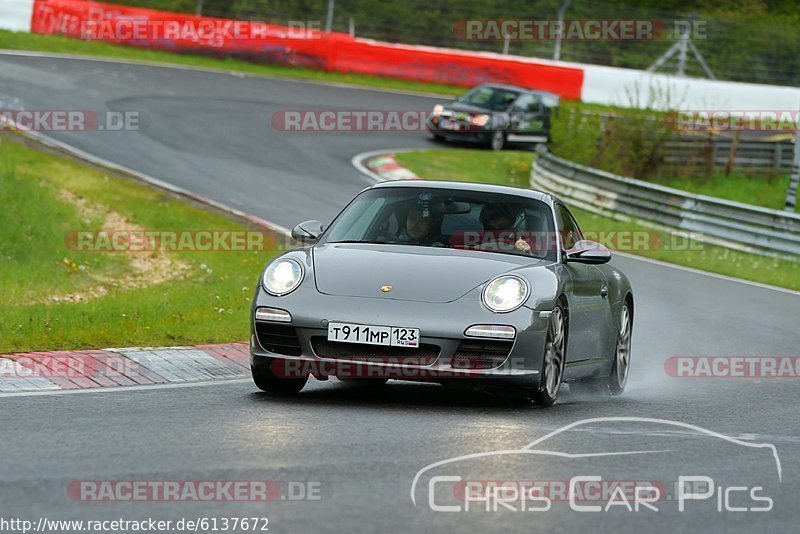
(760, 49)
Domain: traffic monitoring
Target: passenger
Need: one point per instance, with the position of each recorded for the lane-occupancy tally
(498, 219)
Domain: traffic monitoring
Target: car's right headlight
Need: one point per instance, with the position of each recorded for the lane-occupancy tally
(505, 293)
(437, 110)
(282, 276)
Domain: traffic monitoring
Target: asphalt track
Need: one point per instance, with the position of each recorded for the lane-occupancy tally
(211, 133)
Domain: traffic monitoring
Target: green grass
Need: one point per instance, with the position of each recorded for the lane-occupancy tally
(467, 165)
(206, 302)
(766, 191)
(66, 45)
(512, 168)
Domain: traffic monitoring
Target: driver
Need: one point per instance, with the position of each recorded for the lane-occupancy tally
(422, 226)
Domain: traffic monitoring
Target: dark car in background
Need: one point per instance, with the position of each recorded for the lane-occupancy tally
(494, 114)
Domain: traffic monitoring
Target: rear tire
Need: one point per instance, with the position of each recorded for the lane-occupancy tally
(613, 385)
(618, 378)
(555, 356)
(266, 380)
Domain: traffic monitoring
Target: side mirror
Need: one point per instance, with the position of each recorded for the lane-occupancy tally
(588, 252)
(307, 232)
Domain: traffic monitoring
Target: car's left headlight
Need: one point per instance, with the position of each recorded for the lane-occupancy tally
(282, 276)
(437, 110)
(505, 293)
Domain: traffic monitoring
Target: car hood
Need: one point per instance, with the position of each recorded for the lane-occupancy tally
(425, 274)
(468, 108)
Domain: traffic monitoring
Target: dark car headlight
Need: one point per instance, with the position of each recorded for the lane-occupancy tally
(505, 293)
(282, 276)
(480, 120)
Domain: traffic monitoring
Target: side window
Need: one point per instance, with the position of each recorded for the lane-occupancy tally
(568, 229)
(355, 222)
(550, 101)
(528, 103)
(523, 103)
(535, 104)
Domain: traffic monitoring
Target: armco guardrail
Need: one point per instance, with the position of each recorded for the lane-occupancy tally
(740, 225)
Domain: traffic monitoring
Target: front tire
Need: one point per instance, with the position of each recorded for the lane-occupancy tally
(266, 380)
(497, 140)
(555, 356)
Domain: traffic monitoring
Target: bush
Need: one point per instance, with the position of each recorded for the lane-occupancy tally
(626, 141)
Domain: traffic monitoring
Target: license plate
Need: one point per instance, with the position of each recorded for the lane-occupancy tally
(449, 125)
(389, 336)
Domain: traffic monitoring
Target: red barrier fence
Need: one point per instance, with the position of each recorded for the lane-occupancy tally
(297, 46)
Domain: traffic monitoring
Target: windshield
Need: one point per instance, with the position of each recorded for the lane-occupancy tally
(493, 98)
(469, 220)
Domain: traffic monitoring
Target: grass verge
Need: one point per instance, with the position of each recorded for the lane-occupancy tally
(58, 297)
(66, 45)
(767, 191)
(513, 168)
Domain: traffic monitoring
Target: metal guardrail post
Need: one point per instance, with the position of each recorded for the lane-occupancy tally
(794, 178)
(329, 16)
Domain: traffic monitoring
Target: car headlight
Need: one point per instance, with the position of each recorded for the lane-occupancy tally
(437, 110)
(282, 276)
(480, 120)
(505, 293)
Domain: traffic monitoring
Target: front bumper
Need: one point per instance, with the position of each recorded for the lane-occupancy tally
(466, 132)
(442, 325)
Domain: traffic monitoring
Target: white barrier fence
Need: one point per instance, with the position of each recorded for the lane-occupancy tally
(16, 15)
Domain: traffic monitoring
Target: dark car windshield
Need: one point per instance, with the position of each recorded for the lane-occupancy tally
(491, 98)
(450, 218)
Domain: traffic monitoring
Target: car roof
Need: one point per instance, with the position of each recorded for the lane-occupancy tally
(469, 186)
(517, 88)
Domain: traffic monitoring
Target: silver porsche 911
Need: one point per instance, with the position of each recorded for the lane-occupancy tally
(485, 286)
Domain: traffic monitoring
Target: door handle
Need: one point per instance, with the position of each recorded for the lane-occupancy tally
(604, 291)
